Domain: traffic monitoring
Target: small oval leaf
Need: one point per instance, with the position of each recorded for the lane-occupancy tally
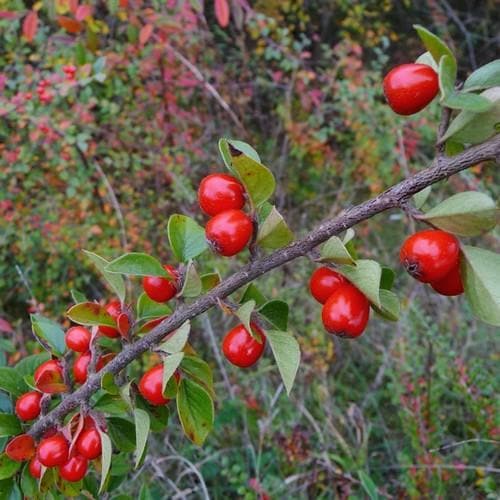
(186, 237)
(137, 264)
(365, 276)
(142, 425)
(90, 313)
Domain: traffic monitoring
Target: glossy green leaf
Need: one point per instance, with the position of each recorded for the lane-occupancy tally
(276, 312)
(469, 102)
(387, 278)
(252, 293)
(192, 285)
(348, 236)
(90, 313)
(107, 454)
(8, 467)
(149, 309)
(50, 331)
(390, 305)
(209, 281)
(186, 237)
(245, 149)
(334, 250)
(365, 276)
(480, 271)
(434, 44)
(170, 365)
(176, 340)
(122, 433)
(111, 404)
(137, 264)
(158, 415)
(9, 425)
(197, 369)
(484, 77)
(195, 408)
(115, 281)
(11, 381)
(466, 214)
(447, 73)
(29, 484)
(368, 485)
(287, 355)
(274, 233)
(142, 425)
(108, 384)
(28, 365)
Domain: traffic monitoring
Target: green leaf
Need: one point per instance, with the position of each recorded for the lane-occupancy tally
(421, 197)
(192, 283)
(287, 355)
(177, 339)
(187, 237)
(470, 102)
(12, 382)
(434, 44)
(149, 309)
(484, 77)
(125, 393)
(9, 425)
(466, 214)
(334, 250)
(8, 467)
(274, 233)
(480, 271)
(427, 59)
(209, 281)
(390, 308)
(245, 149)
(28, 365)
(122, 433)
(387, 278)
(170, 365)
(77, 296)
(473, 128)
(276, 312)
(447, 75)
(348, 236)
(158, 415)
(244, 314)
(29, 484)
(108, 384)
(197, 369)
(368, 485)
(137, 264)
(50, 331)
(365, 276)
(252, 293)
(111, 404)
(258, 180)
(90, 313)
(115, 281)
(142, 425)
(195, 408)
(145, 493)
(107, 454)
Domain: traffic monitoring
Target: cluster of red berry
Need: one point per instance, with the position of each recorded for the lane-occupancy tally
(70, 71)
(433, 256)
(229, 230)
(43, 92)
(345, 309)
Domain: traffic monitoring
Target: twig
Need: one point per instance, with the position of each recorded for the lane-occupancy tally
(466, 441)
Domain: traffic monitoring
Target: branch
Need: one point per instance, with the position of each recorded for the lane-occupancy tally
(440, 169)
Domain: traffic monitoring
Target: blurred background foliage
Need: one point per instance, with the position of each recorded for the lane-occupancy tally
(116, 149)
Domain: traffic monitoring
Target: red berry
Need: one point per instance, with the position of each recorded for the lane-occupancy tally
(80, 367)
(430, 255)
(113, 308)
(35, 468)
(53, 451)
(240, 348)
(323, 282)
(229, 232)
(20, 448)
(451, 284)
(78, 339)
(410, 87)
(346, 312)
(51, 366)
(150, 386)
(74, 469)
(161, 289)
(28, 405)
(88, 443)
(220, 192)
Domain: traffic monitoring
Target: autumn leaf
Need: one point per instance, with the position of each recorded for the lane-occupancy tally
(146, 32)
(30, 25)
(222, 12)
(70, 25)
(82, 12)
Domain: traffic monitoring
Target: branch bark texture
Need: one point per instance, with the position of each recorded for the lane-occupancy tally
(440, 169)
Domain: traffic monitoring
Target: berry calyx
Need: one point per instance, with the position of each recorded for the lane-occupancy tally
(229, 232)
(28, 405)
(150, 386)
(409, 88)
(323, 282)
(113, 308)
(451, 284)
(88, 443)
(161, 289)
(240, 348)
(430, 255)
(35, 468)
(346, 312)
(78, 339)
(220, 192)
(53, 451)
(74, 469)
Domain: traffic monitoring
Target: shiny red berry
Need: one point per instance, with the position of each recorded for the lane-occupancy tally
(74, 469)
(80, 367)
(113, 308)
(240, 348)
(323, 282)
(161, 289)
(220, 192)
(28, 405)
(35, 468)
(78, 339)
(451, 284)
(409, 88)
(150, 386)
(229, 232)
(430, 255)
(53, 451)
(88, 443)
(346, 312)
